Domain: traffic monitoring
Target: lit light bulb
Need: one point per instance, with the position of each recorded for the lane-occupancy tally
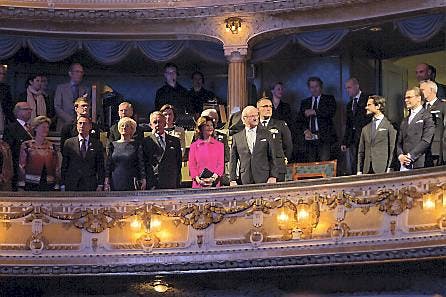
(428, 203)
(156, 223)
(239, 27)
(282, 217)
(160, 286)
(135, 224)
(302, 215)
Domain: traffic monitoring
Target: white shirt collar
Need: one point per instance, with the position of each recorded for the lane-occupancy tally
(413, 112)
(380, 117)
(358, 95)
(251, 129)
(21, 122)
(86, 138)
(265, 120)
(432, 102)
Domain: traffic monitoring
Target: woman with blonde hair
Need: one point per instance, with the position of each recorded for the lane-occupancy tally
(124, 169)
(206, 155)
(39, 168)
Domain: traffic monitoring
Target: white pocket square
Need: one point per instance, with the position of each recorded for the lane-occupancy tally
(435, 111)
(263, 139)
(382, 129)
(172, 148)
(420, 121)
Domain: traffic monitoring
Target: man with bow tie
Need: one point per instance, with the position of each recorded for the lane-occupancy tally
(83, 160)
(416, 133)
(377, 140)
(254, 149)
(437, 109)
(356, 118)
(162, 156)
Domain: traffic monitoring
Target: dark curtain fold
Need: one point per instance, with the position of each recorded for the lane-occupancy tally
(423, 28)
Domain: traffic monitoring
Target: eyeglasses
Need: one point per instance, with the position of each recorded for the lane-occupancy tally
(265, 106)
(252, 116)
(408, 97)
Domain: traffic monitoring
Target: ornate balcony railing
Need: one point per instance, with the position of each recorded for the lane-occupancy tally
(373, 218)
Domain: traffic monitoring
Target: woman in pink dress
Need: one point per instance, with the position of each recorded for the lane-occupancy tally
(206, 155)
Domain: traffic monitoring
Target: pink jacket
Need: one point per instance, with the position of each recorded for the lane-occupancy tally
(208, 155)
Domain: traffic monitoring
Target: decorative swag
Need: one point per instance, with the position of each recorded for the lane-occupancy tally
(418, 29)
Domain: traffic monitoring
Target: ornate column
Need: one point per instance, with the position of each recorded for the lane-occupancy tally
(237, 80)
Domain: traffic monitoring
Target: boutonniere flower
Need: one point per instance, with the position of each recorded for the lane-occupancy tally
(92, 132)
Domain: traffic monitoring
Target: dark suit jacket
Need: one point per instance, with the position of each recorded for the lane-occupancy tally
(70, 130)
(325, 112)
(283, 112)
(79, 174)
(441, 91)
(256, 167)
(438, 112)
(355, 121)
(6, 102)
(416, 138)
(379, 151)
(163, 168)
(235, 124)
(283, 143)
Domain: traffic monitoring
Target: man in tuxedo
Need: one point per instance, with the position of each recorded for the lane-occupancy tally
(16, 133)
(67, 93)
(416, 133)
(280, 134)
(83, 160)
(125, 109)
(437, 109)
(281, 110)
(254, 149)
(425, 71)
(82, 108)
(316, 115)
(357, 118)
(377, 140)
(162, 156)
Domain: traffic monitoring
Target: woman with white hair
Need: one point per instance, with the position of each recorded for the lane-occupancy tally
(124, 169)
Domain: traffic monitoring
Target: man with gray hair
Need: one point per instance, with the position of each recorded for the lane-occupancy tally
(437, 109)
(254, 149)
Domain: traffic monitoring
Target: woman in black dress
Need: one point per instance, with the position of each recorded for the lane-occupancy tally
(125, 164)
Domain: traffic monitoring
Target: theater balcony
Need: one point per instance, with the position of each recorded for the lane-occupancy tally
(273, 230)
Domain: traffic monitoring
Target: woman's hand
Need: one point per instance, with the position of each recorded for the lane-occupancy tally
(143, 184)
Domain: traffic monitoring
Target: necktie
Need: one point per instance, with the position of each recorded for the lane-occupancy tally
(313, 127)
(161, 142)
(355, 105)
(75, 91)
(83, 147)
(265, 123)
(374, 121)
(251, 140)
(28, 128)
(428, 106)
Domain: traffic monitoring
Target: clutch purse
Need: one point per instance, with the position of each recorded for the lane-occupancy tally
(206, 173)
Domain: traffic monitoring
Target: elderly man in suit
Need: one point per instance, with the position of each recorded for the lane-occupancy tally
(125, 109)
(357, 118)
(16, 133)
(162, 156)
(316, 114)
(377, 141)
(280, 134)
(83, 160)
(437, 109)
(254, 149)
(67, 93)
(416, 133)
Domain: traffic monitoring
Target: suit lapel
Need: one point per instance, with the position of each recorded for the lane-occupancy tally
(77, 149)
(158, 148)
(244, 140)
(417, 117)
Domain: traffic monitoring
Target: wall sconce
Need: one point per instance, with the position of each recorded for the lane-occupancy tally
(233, 24)
(428, 201)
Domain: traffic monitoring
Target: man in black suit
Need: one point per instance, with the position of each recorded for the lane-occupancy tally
(437, 109)
(125, 109)
(281, 109)
(82, 108)
(416, 133)
(83, 160)
(377, 141)
(357, 118)
(6, 102)
(254, 149)
(316, 115)
(16, 133)
(162, 156)
(280, 134)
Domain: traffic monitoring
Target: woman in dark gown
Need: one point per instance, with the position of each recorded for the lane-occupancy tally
(125, 164)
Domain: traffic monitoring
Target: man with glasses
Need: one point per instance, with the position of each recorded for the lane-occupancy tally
(67, 93)
(280, 134)
(254, 149)
(416, 133)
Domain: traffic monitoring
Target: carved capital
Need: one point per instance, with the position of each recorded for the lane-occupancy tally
(236, 53)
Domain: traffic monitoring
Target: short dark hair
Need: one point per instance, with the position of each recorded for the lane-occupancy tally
(85, 117)
(379, 100)
(316, 79)
(171, 65)
(168, 106)
(32, 77)
(433, 71)
(74, 64)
